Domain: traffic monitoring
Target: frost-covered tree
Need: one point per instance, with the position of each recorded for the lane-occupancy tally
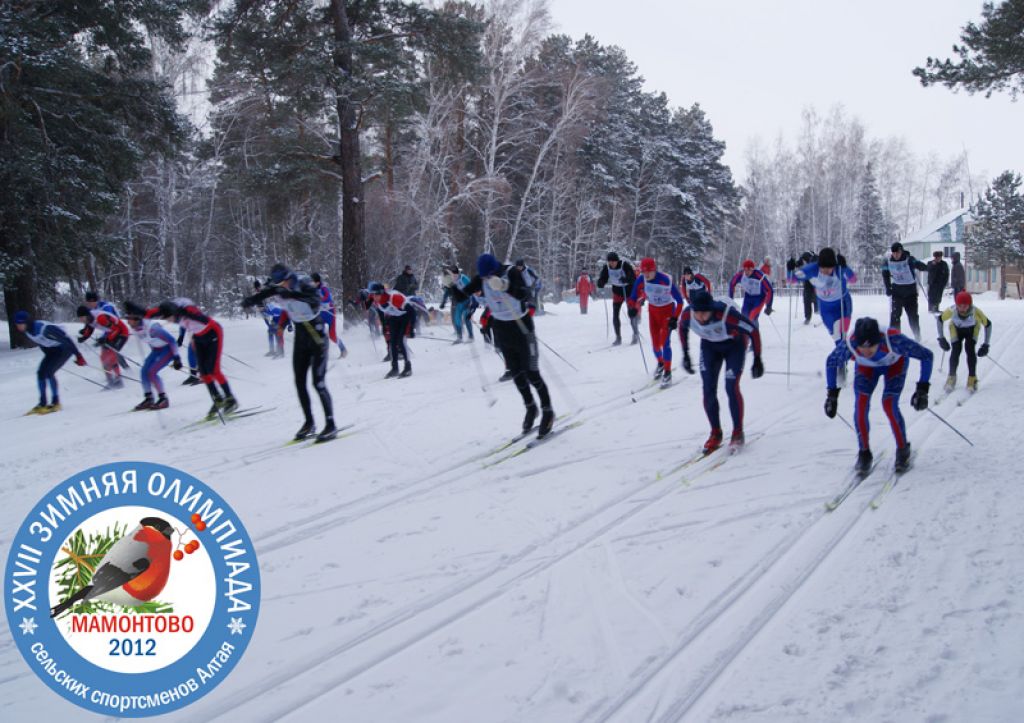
(873, 231)
(996, 238)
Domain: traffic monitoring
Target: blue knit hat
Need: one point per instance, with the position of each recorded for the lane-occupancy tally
(21, 317)
(487, 265)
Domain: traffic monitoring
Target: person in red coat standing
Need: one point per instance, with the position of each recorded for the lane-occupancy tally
(584, 288)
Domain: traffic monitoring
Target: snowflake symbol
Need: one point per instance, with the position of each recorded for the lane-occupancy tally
(236, 626)
(28, 626)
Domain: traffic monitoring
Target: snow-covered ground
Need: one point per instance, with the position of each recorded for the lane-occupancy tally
(405, 580)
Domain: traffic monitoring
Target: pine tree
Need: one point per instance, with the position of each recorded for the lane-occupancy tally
(997, 236)
(991, 57)
(79, 113)
(873, 230)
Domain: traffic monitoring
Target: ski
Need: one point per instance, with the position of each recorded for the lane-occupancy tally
(312, 439)
(853, 480)
(893, 479)
(236, 414)
(533, 443)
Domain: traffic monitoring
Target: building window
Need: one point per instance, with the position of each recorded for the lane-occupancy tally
(948, 252)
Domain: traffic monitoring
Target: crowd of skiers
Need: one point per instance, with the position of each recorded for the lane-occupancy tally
(509, 295)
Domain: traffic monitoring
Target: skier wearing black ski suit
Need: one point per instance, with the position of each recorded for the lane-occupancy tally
(300, 297)
(622, 276)
(508, 298)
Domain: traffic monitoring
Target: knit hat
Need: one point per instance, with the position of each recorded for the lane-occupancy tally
(963, 298)
(896, 247)
(687, 271)
(92, 296)
(648, 264)
(749, 264)
(866, 332)
(279, 272)
(21, 317)
(612, 256)
(827, 258)
(133, 309)
(487, 265)
(375, 287)
(83, 311)
(701, 301)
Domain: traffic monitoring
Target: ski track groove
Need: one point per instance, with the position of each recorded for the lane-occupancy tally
(679, 708)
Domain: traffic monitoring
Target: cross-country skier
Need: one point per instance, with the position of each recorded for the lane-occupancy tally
(810, 295)
(208, 339)
(329, 313)
(271, 312)
(508, 299)
(300, 298)
(666, 304)
(723, 333)
(398, 318)
(584, 288)
(829, 276)
(93, 301)
(693, 282)
(454, 282)
(621, 276)
(57, 348)
(758, 292)
(878, 355)
(163, 350)
(965, 324)
(901, 285)
(111, 338)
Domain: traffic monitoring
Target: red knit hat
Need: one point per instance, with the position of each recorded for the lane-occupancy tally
(749, 264)
(648, 264)
(963, 298)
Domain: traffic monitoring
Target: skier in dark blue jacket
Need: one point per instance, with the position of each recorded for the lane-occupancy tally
(57, 348)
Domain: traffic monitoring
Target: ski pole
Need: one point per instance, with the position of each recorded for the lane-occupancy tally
(847, 423)
(234, 358)
(555, 352)
(606, 321)
(789, 338)
(794, 374)
(643, 356)
(82, 376)
(950, 426)
(942, 359)
(777, 332)
(1002, 367)
(491, 399)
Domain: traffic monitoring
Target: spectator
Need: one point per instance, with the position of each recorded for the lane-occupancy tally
(958, 279)
(938, 277)
(406, 283)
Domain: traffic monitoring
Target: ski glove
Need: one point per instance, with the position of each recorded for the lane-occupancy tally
(768, 311)
(80, 360)
(82, 338)
(791, 265)
(757, 368)
(673, 322)
(290, 327)
(983, 350)
(497, 283)
(841, 260)
(176, 362)
(632, 312)
(832, 403)
(687, 364)
(944, 344)
(920, 399)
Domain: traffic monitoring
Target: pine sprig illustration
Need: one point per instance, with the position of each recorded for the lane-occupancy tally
(75, 571)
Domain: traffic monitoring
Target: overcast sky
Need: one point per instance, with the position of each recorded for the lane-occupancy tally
(753, 65)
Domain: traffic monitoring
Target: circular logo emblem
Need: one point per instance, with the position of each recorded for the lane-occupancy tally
(132, 589)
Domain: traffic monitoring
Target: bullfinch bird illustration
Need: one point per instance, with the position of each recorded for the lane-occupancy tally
(134, 570)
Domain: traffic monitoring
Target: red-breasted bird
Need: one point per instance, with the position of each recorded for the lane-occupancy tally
(134, 570)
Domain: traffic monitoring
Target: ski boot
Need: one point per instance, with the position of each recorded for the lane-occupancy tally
(230, 404)
(305, 431)
(636, 340)
(146, 403)
(531, 416)
(547, 421)
(659, 372)
(192, 380)
(406, 370)
(387, 357)
(864, 460)
(457, 341)
(950, 383)
(666, 378)
(737, 441)
(328, 433)
(214, 412)
(506, 377)
(38, 409)
(903, 458)
(806, 322)
(161, 402)
(393, 374)
(51, 408)
(972, 384)
(271, 353)
(714, 441)
(618, 340)
(342, 351)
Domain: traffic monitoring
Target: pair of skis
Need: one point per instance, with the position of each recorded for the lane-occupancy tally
(563, 425)
(855, 478)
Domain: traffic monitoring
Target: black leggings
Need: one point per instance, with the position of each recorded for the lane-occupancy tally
(398, 326)
(964, 340)
(518, 345)
(810, 301)
(909, 304)
(310, 352)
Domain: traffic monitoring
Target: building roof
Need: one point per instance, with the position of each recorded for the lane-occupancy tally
(930, 232)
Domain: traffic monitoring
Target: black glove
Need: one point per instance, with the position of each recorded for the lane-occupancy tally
(82, 338)
(100, 342)
(673, 322)
(841, 259)
(687, 364)
(920, 399)
(632, 312)
(943, 344)
(176, 362)
(832, 403)
(248, 301)
(888, 292)
(757, 368)
(983, 349)
(768, 311)
(791, 265)
(290, 326)
(442, 305)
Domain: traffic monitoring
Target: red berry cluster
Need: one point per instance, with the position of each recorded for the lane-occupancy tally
(192, 545)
